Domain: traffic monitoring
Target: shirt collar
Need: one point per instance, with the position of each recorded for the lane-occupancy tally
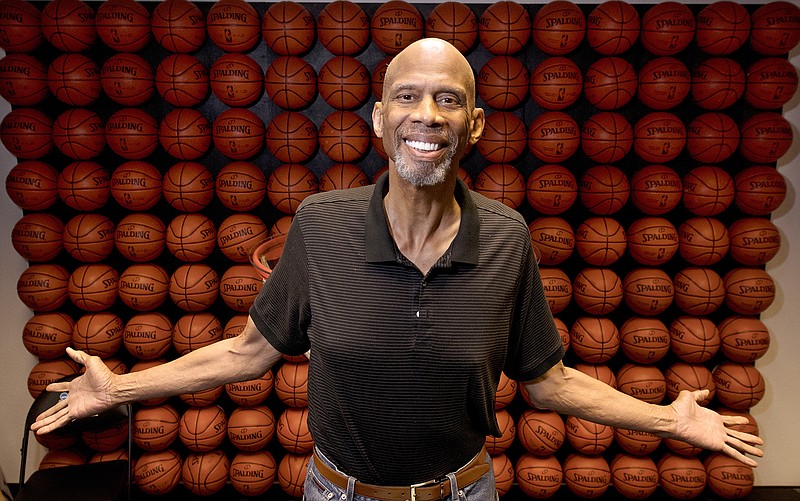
(380, 246)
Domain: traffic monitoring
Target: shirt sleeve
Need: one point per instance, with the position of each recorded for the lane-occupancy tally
(281, 310)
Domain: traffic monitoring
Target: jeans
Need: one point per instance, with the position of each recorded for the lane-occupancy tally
(318, 488)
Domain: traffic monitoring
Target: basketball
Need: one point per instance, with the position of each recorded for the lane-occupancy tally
(606, 137)
(600, 241)
(717, 83)
(143, 287)
(238, 234)
(241, 186)
(556, 83)
(610, 83)
(32, 185)
(504, 137)
(652, 241)
(557, 289)
(191, 237)
(24, 80)
(722, 27)
(600, 372)
(194, 287)
(93, 287)
(508, 432)
(681, 477)
(49, 371)
(123, 25)
(292, 473)
(454, 22)
(74, 79)
(503, 470)
(635, 477)
(47, 335)
(597, 291)
(178, 26)
(38, 237)
(538, 477)
(291, 137)
(682, 376)
(396, 24)
(290, 82)
(343, 82)
(644, 382)
(664, 82)
(202, 429)
(739, 386)
(108, 440)
(21, 26)
(378, 76)
(659, 137)
(253, 391)
(586, 476)
(540, 432)
(504, 28)
(553, 136)
(698, 291)
(344, 136)
(694, 339)
(503, 82)
(79, 134)
(292, 430)
(505, 393)
(343, 28)
(561, 327)
(43, 287)
(667, 28)
(132, 133)
(553, 239)
(288, 28)
(760, 189)
(644, 340)
(251, 428)
(136, 185)
(707, 190)
(743, 339)
(558, 27)
(158, 472)
(155, 428)
(704, 241)
(774, 28)
(185, 133)
(236, 79)
(771, 83)
(233, 25)
(291, 383)
(594, 340)
(728, 478)
(754, 241)
(253, 473)
(195, 330)
(182, 80)
(766, 137)
(238, 133)
(27, 133)
(205, 473)
(501, 182)
(612, 27)
(148, 336)
(98, 334)
(289, 185)
(62, 457)
(239, 286)
(140, 237)
(587, 437)
(202, 398)
(603, 189)
(647, 291)
(748, 291)
(69, 25)
(656, 189)
(188, 186)
(712, 138)
(341, 177)
(233, 328)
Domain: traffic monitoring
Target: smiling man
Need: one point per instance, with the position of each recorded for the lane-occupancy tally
(412, 295)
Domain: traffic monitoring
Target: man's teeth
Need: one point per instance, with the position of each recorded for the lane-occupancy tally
(419, 145)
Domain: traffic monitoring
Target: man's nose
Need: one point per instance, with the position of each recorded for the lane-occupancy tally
(427, 111)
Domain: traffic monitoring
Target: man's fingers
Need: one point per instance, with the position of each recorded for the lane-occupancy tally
(730, 451)
(54, 387)
(77, 355)
(745, 437)
(734, 420)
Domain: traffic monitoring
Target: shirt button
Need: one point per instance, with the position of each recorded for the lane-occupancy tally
(417, 314)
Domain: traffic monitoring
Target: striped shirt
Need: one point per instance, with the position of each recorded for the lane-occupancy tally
(404, 367)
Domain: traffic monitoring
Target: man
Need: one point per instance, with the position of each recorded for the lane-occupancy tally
(412, 295)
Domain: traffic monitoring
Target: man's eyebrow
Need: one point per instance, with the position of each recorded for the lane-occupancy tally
(461, 93)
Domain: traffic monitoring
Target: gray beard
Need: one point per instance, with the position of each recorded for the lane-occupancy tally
(420, 174)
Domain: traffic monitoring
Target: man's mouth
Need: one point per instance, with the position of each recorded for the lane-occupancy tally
(423, 146)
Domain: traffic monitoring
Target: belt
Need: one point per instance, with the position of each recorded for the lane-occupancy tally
(426, 491)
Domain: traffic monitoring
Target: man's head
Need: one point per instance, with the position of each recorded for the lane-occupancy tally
(427, 116)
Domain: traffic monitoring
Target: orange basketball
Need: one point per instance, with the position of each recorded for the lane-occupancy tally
(766, 137)
(343, 82)
(698, 291)
(504, 28)
(600, 241)
(241, 186)
(159, 472)
(202, 429)
(760, 189)
(62, 457)
(603, 189)
(396, 24)
(694, 339)
(728, 478)
(202, 398)
(680, 476)
(205, 473)
(587, 437)
(195, 330)
(556, 83)
(610, 83)
(635, 477)
(612, 27)
(239, 286)
(652, 241)
(143, 287)
(597, 291)
(188, 186)
(341, 177)
(292, 473)
(140, 237)
(37, 237)
(136, 185)
(501, 182)
(155, 428)
(178, 26)
(722, 27)
(703, 241)
(253, 473)
(558, 27)
(107, 439)
(49, 371)
(454, 22)
(774, 28)
(79, 134)
(656, 189)
(98, 334)
(540, 432)
(182, 80)
(553, 136)
(234, 327)
(84, 185)
(191, 237)
(504, 137)
(667, 28)
(707, 190)
(32, 185)
(288, 28)
(344, 136)
(645, 382)
(185, 133)
(748, 291)
(233, 25)
(551, 189)
(771, 83)
(659, 137)
(43, 287)
(503, 82)
(503, 470)
(47, 335)
(238, 234)
(717, 83)
(644, 340)
(251, 392)
(24, 80)
(251, 428)
(538, 477)
(292, 430)
(148, 336)
(238, 133)
(236, 79)
(343, 28)
(682, 376)
(290, 82)
(291, 137)
(557, 289)
(606, 137)
(505, 393)
(552, 238)
(74, 79)
(27, 133)
(712, 138)
(739, 386)
(594, 340)
(21, 24)
(194, 287)
(291, 383)
(508, 432)
(743, 339)
(289, 185)
(379, 75)
(648, 291)
(69, 25)
(600, 372)
(93, 287)
(664, 82)
(123, 25)
(586, 476)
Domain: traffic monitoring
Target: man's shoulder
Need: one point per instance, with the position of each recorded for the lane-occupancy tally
(355, 198)
(497, 212)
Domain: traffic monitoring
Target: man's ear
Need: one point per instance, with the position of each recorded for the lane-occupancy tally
(377, 119)
(478, 122)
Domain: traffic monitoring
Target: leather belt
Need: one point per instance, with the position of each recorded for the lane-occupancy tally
(427, 491)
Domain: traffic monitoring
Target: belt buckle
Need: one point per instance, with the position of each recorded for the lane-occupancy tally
(429, 483)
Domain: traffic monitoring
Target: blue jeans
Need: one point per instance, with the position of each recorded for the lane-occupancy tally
(318, 488)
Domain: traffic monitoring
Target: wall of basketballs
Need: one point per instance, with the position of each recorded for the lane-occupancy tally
(160, 142)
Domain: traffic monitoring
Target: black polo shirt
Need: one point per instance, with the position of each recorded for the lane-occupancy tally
(404, 367)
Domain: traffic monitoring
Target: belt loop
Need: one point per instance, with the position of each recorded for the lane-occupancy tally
(453, 486)
(351, 488)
